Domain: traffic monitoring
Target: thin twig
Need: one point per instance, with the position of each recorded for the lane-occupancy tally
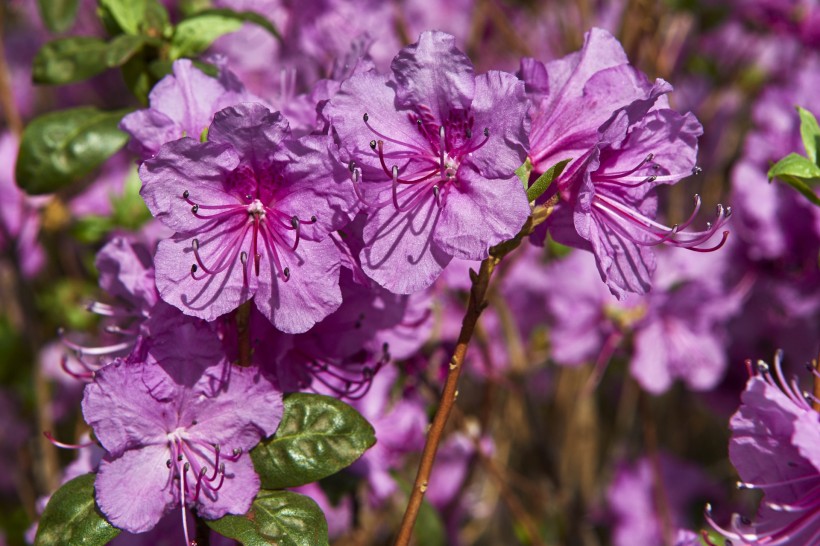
(6, 94)
(476, 304)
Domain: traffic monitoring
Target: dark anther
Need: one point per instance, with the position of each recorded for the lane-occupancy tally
(186, 467)
(745, 521)
(193, 268)
(652, 178)
(351, 165)
(185, 194)
(696, 170)
(195, 244)
(286, 273)
(469, 133)
(243, 257)
(418, 122)
(237, 451)
(195, 209)
(179, 457)
(216, 448)
(486, 131)
(168, 463)
(365, 117)
(194, 422)
(248, 197)
(373, 144)
(294, 222)
(313, 218)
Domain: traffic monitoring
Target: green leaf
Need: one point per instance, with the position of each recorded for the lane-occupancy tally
(800, 173)
(194, 34)
(72, 517)
(810, 132)
(78, 58)
(128, 14)
(523, 173)
(543, 182)
(58, 15)
(61, 147)
(139, 78)
(318, 436)
(123, 48)
(283, 518)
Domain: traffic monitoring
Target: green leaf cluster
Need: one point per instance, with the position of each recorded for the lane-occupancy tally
(802, 172)
(60, 148)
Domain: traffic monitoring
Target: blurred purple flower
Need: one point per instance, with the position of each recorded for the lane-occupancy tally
(633, 500)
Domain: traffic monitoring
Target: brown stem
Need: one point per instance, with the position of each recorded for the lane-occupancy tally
(6, 94)
(476, 304)
(243, 314)
(650, 433)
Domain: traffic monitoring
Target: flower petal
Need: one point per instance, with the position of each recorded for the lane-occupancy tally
(133, 490)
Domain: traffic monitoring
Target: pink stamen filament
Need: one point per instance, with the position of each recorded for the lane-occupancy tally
(64, 445)
(616, 210)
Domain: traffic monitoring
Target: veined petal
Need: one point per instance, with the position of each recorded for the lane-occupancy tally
(400, 252)
(134, 490)
(433, 72)
(479, 213)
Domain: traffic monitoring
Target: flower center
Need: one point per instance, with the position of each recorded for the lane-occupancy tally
(417, 171)
(227, 227)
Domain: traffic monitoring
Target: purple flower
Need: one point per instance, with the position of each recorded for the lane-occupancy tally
(177, 432)
(434, 148)
(252, 209)
(633, 500)
(775, 447)
(682, 333)
(182, 104)
(623, 140)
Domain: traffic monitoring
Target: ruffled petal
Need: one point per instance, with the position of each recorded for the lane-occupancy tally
(187, 165)
(479, 213)
(312, 292)
(134, 490)
(434, 73)
(400, 253)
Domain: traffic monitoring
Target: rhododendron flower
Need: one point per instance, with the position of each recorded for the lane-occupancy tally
(775, 448)
(623, 140)
(434, 149)
(252, 208)
(177, 433)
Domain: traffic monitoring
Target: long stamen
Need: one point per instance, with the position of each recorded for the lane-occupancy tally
(441, 146)
(64, 445)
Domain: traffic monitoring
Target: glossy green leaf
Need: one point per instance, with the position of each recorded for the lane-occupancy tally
(72, 517)
(128, 14)
(196, 33)
(318, 436)
(78, 58)
(58, 15)
(810, 133)
(543, 182)
(800, 173)
(283, 518)
(61, 147)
